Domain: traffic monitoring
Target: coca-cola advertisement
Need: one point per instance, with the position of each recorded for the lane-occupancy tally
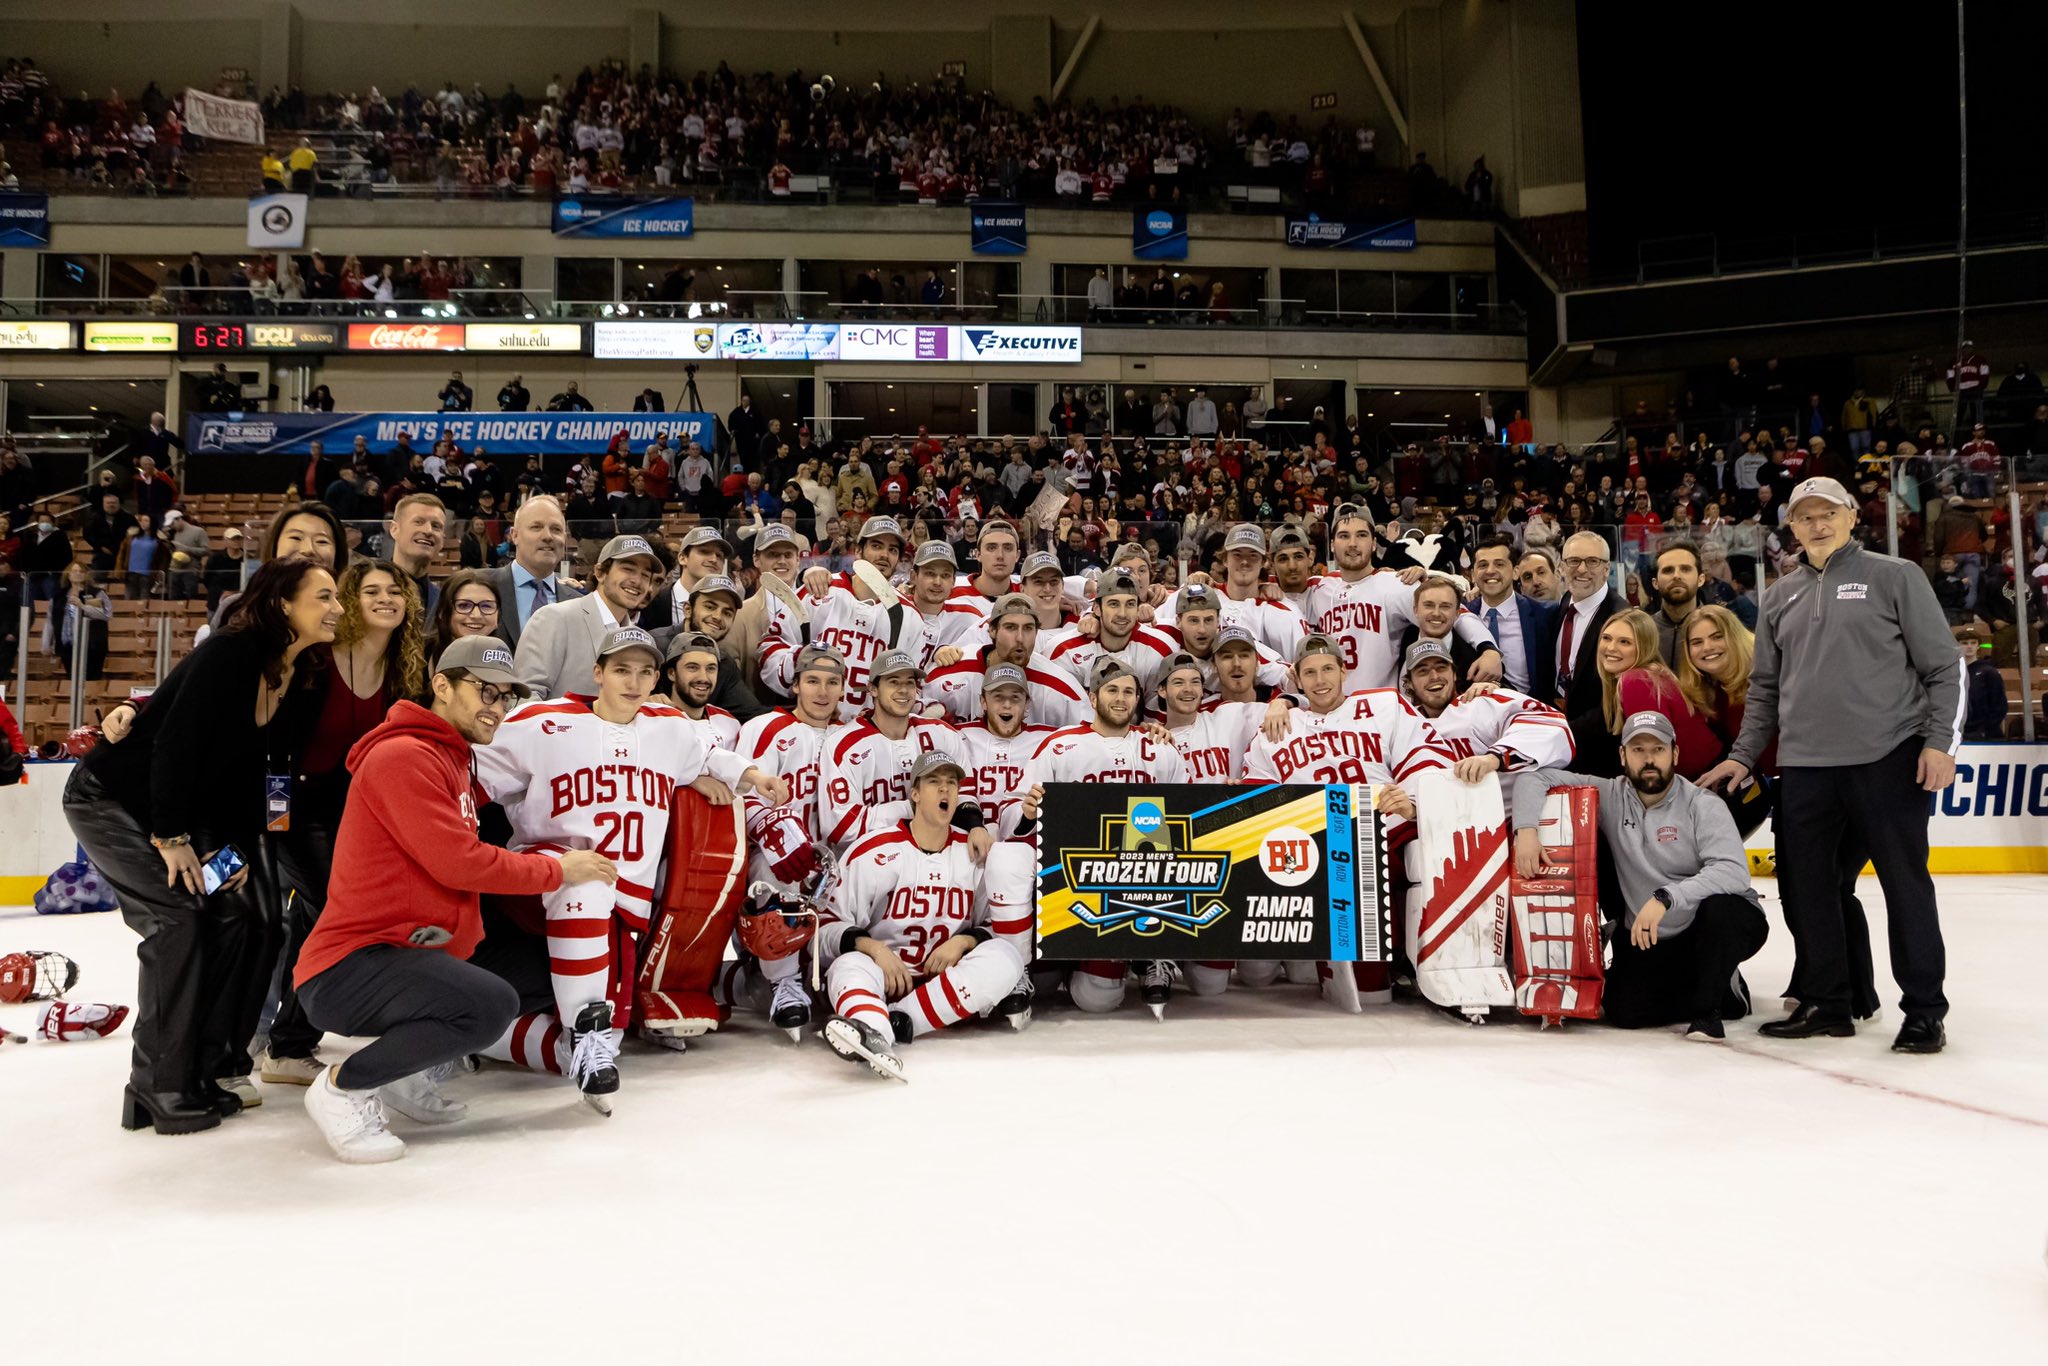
(405, 336)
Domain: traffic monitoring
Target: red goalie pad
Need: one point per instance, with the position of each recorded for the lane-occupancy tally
(700, 902)
(1557, 959)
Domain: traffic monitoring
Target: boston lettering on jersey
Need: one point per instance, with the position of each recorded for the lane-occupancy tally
(1207, 763)
(1303, 750)
(609, 785)
(1353, 616)
(930, 903)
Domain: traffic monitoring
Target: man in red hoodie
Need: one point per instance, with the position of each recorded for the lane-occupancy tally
(390, 954)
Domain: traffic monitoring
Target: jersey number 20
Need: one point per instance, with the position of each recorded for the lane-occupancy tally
(625, 835)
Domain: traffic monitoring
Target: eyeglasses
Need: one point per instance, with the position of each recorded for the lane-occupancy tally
(486, 608)
(492, 696)
(1584, 561)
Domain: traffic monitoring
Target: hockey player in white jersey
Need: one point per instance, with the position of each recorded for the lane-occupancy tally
(904, 932)
(1046, 588)
(1292, 557)
(1365, 610)
(690, 676)
(932, 624)
(1113, 747)
(997, 548)
(1242, 600)
(955, 690)
(996, 748)
(787, 837)
(846, 618)
(1201, 633)
(1490, 730)
(1118, 601)
(599, 774)
(1212, 735)
(864, 780)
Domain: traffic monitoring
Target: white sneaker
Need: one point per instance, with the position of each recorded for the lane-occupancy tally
(244, 1090)
(288, 1071)
(420, 1100)
(352, 1122)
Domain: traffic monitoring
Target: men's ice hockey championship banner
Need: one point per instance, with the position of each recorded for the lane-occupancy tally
(1191, 871)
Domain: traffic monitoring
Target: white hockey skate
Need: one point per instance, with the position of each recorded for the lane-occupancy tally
(857, 1042)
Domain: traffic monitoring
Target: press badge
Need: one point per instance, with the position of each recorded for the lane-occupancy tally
(277, 802)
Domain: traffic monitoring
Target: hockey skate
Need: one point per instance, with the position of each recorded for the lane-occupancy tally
(593, 1057)
(1155, 984)
(1016, 1007)
(791, 1007)
(857, 1042)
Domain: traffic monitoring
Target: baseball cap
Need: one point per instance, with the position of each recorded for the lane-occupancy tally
(894, 662)
(707, 535)
(628, 638)
(1038, 562)
(628, 548)
(1234, 635)
(935, 761)
(1650, 723)
(687, 642)
(1313, 644)
(818, 657)
(934, 552)
(992, 525)
(718, 583)
(1245, 536)
(481, 657)
(1824, 488)
(1116, 581)
(775, 533)
(1107, 670)
(1005, 676)
(1177, 661)
(1289, 534)
(1130, 550)
(1196, 597)
(234, 533)
(1012, 604)
(1424, 649)
(876, 527)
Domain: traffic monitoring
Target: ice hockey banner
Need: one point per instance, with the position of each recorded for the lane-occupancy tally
(1334, 234)
(619, 215)
(493, 433)
(1192, 871)
(1159, 234)
(223, 120)
(996, 228)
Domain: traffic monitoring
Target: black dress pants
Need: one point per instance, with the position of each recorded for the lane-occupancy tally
(1686, 976)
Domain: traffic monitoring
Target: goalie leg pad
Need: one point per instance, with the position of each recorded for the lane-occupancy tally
(694, 919)
(1557, 954)
(1457, 902)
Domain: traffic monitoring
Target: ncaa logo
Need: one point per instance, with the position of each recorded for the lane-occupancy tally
(1159, 223)
(1288, 856)
(1146, 818)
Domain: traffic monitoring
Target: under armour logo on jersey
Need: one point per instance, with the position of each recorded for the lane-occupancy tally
(552, 727)
(620, 753)
(573, 908)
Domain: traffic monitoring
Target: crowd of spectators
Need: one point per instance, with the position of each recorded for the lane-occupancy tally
(312, 283)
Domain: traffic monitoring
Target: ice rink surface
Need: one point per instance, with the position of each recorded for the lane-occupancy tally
(1258, 1178)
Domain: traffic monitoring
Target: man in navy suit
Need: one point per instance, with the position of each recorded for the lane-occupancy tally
(1525, 629)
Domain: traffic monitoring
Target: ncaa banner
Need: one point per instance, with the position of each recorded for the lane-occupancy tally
(223, 120)
(1194, 871)
(24, 220)
(617, 215)
(996, 228)
(277, 220)
(1159, 234)
(1314, 231)
(497, 433)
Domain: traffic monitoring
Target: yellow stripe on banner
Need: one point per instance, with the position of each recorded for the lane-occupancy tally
(1965, 858)
(1239, 840)
(19, 891)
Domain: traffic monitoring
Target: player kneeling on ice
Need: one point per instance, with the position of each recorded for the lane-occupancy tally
(398, 951)
(903, 930)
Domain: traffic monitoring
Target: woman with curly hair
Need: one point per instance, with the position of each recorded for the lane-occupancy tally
(1633, 678)
(379, 657)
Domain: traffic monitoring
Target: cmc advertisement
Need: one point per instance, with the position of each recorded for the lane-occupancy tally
(1192, 871)
(1314, 231)
(855, 341)
(603, 215)
(1159, 234)
(496, 433)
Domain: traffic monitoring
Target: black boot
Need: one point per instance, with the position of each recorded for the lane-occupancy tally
(1920, 1034)
(167, 1112)
(1807, 1022)
(225, 1103)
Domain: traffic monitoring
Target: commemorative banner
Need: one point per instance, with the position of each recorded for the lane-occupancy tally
(1159, 234)
(497, 433)
(996, 228)
(617, 215)
(24, 220)
(1193, 871)
(222, 119)
(1336, 235)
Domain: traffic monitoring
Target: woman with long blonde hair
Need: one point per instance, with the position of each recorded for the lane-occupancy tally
(1633, 678)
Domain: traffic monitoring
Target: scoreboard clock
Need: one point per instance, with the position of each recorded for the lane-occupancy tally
(242, 338)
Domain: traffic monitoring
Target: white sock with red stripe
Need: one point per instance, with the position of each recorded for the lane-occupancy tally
(534, 1041)
(579, 926)
(854, 985)
(1011, 877)
(988, 973)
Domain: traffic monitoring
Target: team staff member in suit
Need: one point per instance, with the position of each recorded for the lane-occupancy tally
(559, 645)
(539, 536)
(1524, 628)
(705, 553)
(1856, 676)
(225, 716)
(1588, 602)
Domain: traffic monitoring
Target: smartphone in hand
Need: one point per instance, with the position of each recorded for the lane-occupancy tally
(222, 866)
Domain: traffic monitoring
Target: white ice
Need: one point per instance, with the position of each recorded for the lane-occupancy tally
(1253, 1179)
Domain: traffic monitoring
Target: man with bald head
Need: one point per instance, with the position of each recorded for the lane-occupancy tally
(539, 537)
(1589, 600)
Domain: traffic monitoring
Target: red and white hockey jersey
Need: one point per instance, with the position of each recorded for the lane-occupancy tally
(1369, 737)
(1274, 624)
(1055, 699)
(782, 744)
(893, 891)
(842, 622)
(995, 771)
(1367, 618)
(569, 779)
(1080, 754)
(1146, 652)
(924, 636)
(864, 782)
(1215, 743)
(782, 639)
(721, 729)
(1524, 732)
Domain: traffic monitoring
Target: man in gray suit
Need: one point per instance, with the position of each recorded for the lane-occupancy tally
(560, 642)
(539, 535)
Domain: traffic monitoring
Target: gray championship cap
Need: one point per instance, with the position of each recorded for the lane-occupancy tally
(1824, 488)
(1115, 582)
(1244, 536)
(1012, 604)
(1196, 597)
(893, 662)
(1129, 551)
(934, 552)
(774, 534)
(1230, 637)
(818, 657)
(936, 761)
(877, 527)
(1107, 670)
(717, 583)
(1287, 535)
(707, 535)
(1005, 676)
(1177, 661)
(690, 642)
(485, 658)
(1315, 644)
(628, 638)
(628, 548)
(1425, 649)
(1653, 722)
(1038, 562)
